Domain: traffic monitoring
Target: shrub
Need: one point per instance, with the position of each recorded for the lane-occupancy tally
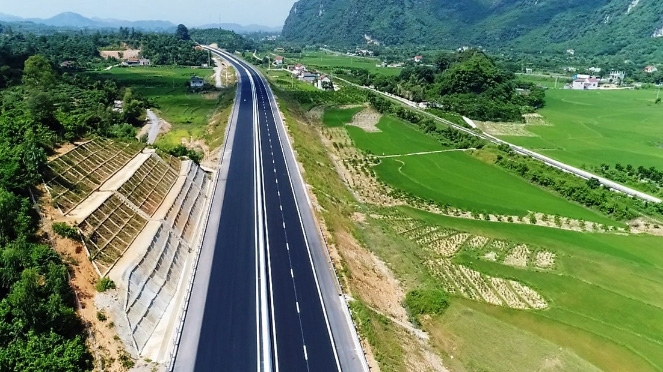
(426, 301)
(65, 230)
(101, 316)
(104, 284)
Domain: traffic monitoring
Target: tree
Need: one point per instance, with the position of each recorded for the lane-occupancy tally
(38, 73)
(182, 32)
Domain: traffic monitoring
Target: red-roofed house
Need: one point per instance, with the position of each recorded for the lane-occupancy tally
(583, 83)
(278, 60)
(324, 83)
(418, 59)
(650, 69)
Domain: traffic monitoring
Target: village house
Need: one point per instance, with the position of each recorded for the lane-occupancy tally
(324, 83)
(309, 77)
(136, 62)
(418, 59)
(617, 77)
(299, 69)
(196, 82)
(278, 61)
(651, 69)
(594, 70)
(585, 82)
(68, 64)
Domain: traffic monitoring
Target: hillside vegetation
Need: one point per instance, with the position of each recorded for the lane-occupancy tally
(590, 26)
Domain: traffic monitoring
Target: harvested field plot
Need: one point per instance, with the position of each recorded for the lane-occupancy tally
(73, 176)
(441, 245)
(603, 300)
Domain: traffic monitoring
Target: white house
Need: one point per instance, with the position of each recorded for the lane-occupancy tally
(299, 69)
(196, 82)
(585, 82)
(651, 69)
(418, 59)
(324, 83)
(617, 77)
(278, 61)
(594, 70)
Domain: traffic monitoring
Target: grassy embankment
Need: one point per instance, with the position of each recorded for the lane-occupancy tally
(192, 115)
(604, 293)
(594, 127)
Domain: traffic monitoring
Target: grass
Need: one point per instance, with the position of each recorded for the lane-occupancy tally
(325, 60)
(167, 88)
(594, 127)
(395, 138)
(461, 180)
(337, 117)
(479, 342)
(456, 178)
(605, 295)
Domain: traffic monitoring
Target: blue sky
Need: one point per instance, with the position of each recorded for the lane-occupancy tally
(189, 12)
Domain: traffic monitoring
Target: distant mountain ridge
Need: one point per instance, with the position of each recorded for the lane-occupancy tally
(240, 29)
(75, 20)
(597, 26)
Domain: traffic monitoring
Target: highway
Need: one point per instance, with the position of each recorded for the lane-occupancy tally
(264, 296)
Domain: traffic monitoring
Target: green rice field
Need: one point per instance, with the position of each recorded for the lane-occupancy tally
(594, 127)
(605, 293)
(324, 60)
(459, 179)
(337, 117)
(395, 138)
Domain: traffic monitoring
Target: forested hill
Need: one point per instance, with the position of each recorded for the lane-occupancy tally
(593, 26)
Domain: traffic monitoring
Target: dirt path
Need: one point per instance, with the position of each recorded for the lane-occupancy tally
(217, 72)
(423, 153)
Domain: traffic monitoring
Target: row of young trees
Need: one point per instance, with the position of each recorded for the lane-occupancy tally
(589, 193)
(647, 179)
(446, 135)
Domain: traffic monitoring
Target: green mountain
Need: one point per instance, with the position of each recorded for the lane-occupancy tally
(592, 26)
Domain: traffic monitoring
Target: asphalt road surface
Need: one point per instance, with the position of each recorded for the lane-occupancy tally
(257, 301)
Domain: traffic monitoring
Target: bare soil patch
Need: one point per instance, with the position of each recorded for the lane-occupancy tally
(120, 54)
(102, 341)
(504, 129)
(367, 120)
